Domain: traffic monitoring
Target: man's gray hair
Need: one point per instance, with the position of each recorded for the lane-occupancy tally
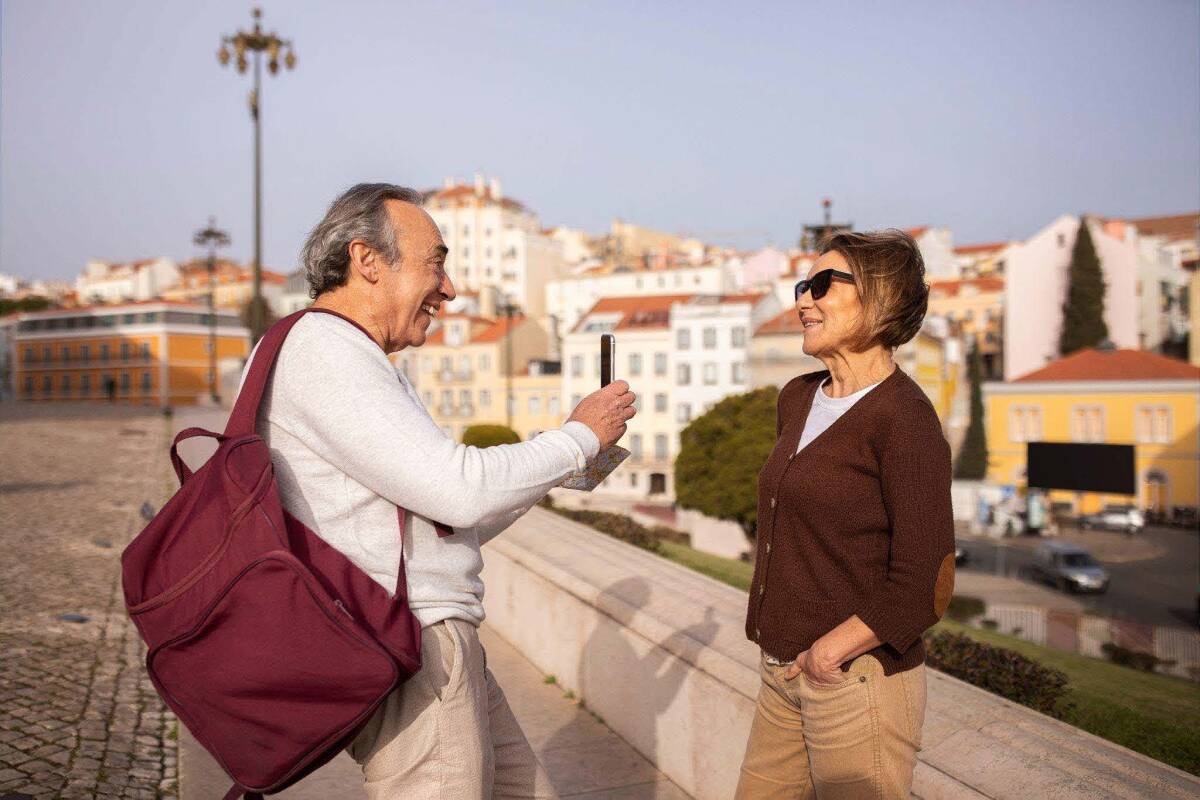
(360, 212)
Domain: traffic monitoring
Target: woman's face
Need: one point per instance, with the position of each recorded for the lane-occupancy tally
(831, 322)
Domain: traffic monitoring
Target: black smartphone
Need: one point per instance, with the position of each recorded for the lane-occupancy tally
(608, 358)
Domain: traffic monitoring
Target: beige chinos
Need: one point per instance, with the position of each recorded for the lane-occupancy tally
(448, 732)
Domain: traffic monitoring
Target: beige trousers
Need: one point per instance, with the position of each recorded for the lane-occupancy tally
(448, 733)
(853, 741)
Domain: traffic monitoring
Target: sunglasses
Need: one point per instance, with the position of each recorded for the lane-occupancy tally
(819, 284)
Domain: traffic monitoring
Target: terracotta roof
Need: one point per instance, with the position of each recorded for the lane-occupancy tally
(497, 330)
(50, 312)
(916, 232)
(1113, 365)
(951, 286)
(976, 249)
(462, 192)
(786, 322)
(651, 311)
(1174, 227)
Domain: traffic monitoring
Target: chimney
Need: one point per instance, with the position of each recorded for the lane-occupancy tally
(494, 185)
(479, 185)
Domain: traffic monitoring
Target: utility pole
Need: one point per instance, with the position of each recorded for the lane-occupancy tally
(211, 238)
(256, 42)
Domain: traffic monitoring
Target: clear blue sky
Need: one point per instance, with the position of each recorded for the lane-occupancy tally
(120, 133)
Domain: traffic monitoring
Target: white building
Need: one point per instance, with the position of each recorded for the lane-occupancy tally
(937, 250)
(577, 245)
(1036, 276)
(569, 298)
(680, 354)
(8, 285)
(1164, 245)
(495, 241)
(294, 294)
(102, 282)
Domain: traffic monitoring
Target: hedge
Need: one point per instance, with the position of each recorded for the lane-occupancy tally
(999, 670)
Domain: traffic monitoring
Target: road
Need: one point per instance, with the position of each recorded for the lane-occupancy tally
(1155, 574)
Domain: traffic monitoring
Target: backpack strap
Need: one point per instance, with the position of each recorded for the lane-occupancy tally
(245, 410)
(237, 792)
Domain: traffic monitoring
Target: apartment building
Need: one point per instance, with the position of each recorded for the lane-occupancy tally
(231, 284)
(1165, 245)
(155, 353)
(974, 307)
(980, 260)
(135, 281)
(776, 352)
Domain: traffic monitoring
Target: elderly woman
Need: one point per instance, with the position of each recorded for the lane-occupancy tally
(855, 539)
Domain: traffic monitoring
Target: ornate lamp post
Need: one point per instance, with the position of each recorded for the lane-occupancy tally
(211, 238)
(241, 47)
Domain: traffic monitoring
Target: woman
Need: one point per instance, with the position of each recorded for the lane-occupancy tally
(855, 539)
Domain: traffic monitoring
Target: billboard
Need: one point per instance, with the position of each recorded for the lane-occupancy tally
(1107, 468)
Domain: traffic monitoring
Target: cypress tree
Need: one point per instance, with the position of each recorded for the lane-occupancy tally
(1083, 312)
(973, 456)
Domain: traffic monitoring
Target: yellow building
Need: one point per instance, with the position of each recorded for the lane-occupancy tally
(975, 307)
(1109, 396)
(462, 374)
(155, 353)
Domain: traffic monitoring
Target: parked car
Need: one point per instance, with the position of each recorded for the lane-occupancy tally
(960, 555)
(1115, 518)
(1069, 567)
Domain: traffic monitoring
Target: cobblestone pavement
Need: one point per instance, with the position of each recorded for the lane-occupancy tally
(79, 717)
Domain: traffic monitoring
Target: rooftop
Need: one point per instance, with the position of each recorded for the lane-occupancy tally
(980, 249)
(1173, 227)
(640, 312)
(950, 287)
(786, 322)
(1113, 365)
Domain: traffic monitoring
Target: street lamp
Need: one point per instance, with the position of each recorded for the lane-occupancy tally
(211, 238)
(238, 47)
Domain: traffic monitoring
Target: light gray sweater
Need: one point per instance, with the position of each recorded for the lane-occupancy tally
(350, 440)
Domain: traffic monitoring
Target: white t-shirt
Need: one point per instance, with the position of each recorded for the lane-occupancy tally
(825, 411)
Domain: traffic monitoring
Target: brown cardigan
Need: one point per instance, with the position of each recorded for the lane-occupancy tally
(858, 522)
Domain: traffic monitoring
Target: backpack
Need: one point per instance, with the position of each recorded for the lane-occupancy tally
(271, 646)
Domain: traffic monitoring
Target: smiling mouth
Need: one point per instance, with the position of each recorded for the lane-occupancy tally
(808, 323)
(430, 309)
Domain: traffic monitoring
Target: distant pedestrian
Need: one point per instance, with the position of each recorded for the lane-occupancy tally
(855, 539)
(110, 388)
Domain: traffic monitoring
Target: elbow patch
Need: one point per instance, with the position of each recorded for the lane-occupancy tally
(943, 589)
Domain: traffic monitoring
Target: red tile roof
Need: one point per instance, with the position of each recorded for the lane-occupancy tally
(650, 311)
(787, 322)
(748, 297)
(497, 330)
(463, 193)
(916, 232)
(1174, 227)
(1113, 365)
(951, 286)
(977, 249)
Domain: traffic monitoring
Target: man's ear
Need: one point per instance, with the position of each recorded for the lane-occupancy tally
(364, 260)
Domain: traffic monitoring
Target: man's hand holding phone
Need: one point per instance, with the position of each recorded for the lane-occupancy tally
(607, 411)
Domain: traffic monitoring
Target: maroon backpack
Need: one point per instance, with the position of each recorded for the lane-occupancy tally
(267, 643)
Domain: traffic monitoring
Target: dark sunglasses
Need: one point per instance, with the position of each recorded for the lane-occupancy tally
(819, 283)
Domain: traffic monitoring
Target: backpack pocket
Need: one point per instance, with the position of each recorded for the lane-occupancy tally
(275, 673)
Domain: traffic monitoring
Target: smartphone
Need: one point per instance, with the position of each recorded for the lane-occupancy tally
(608, 358)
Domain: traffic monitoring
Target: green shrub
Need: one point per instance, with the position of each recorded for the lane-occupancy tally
(999, 670)
(617, 526)
(489, 435)
(1147, 662)
(963, 608)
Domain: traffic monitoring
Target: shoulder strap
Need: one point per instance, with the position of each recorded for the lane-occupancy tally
(245, 410)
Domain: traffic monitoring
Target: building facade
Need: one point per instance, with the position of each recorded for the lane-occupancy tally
(232, 286)
(155, 354)
(1103, 396)
(974, 307)
(137, 281)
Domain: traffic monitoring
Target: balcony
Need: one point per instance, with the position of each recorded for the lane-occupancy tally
(456, 375)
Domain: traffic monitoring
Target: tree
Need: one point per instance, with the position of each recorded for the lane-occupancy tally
(489, 435)
(720, 455)
(30, 303)
(1083, 312)
(973, 457)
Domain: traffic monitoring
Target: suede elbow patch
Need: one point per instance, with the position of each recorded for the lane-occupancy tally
(943, 589)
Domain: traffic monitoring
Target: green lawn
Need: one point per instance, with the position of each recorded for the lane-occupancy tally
(1153, 714)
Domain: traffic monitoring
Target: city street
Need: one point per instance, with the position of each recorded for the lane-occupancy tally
(1154, 574)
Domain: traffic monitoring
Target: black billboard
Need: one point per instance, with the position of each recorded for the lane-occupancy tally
(1107, 468)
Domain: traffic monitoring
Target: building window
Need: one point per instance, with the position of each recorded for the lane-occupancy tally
(485, 362)
(145, 351)
(710, 338)
(596, 364)
(46, 354)
(683, 413)
(466, 252)
(145, 381)
(683, 339)
(464, 364)
(660, 403)
(125, 350)
(660, 446)
(683, 374)
(635, 363)
(466, 230)
(464, 398)
(635, 445)
(65, 353)
(739, 373)
(535, 405)
(428, 398)
(47, 387)
(1025, 424)
(660, 364)
(104, 352)
(576, 366)
(575, 398)
(85, 385)
(633, 480)
(28, 385)
(65, 384)
(552, 408)
(738, 336)
(85, 352)
(1087, 424)
(125, 383)
(710, 374)
(1152, 425)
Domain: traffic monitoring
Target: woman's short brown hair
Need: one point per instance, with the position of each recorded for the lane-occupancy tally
(891, 282)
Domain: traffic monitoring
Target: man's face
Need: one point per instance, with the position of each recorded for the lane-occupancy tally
(411, 297)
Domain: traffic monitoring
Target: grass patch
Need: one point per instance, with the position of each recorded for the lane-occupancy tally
(1156, 715)
(726, 570)
(550, 679)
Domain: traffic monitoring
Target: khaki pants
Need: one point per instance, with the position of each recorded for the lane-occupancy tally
(856, 740)
(448, 733)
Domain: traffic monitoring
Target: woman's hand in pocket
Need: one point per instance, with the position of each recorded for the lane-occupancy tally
(819, 668)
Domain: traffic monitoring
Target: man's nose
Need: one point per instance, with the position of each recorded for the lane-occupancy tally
(447, 288)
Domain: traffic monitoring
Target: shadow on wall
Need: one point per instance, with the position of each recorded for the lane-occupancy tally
(621, 670)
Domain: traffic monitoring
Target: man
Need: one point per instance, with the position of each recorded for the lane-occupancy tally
(350, 441)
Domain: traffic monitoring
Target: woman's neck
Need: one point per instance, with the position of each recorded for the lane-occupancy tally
(852, 372)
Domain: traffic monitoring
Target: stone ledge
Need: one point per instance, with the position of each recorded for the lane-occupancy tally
(659, 652)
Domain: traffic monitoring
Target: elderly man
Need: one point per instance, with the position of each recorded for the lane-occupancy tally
(350, 441)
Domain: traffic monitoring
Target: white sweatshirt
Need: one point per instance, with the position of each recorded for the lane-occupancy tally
(350, 440)
(825, 411)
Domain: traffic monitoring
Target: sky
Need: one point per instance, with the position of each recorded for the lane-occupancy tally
(120, 134)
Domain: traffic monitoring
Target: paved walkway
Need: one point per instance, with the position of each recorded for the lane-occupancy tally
(78, 715)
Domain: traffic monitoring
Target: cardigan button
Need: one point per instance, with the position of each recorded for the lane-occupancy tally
(772, 502)
(768, 548)
(761, 589)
